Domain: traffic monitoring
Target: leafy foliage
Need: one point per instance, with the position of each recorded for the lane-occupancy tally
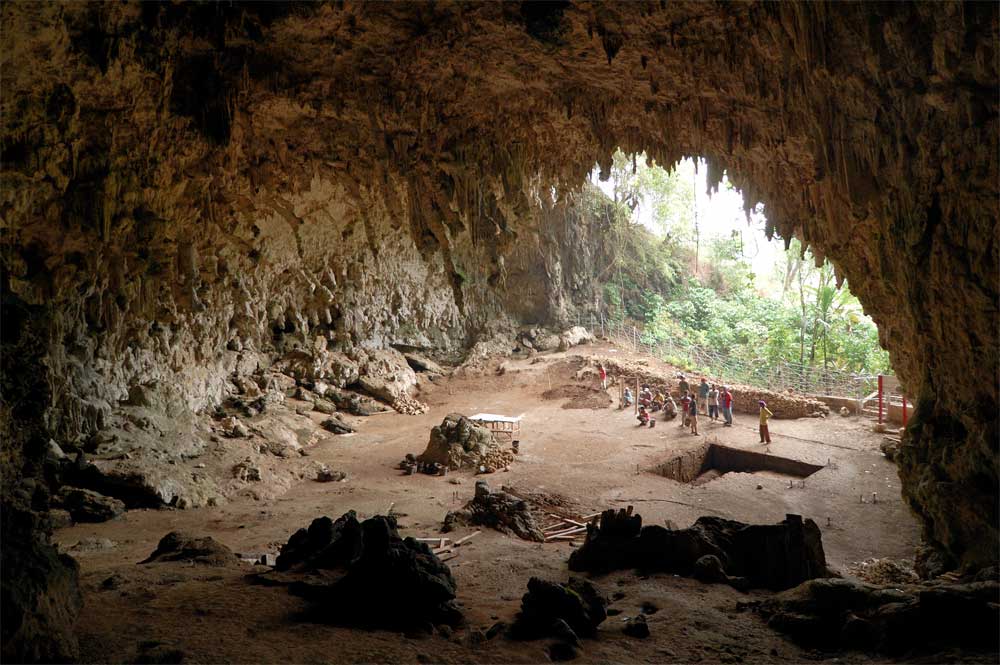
(814, 321)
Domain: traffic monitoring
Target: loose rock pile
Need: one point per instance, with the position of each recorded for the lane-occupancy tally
(498, 510)
(496, 458)
(884, 571)
(409, 406)
(364, 573)
(773, 556)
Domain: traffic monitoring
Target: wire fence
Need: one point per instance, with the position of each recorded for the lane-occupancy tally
(773, 375)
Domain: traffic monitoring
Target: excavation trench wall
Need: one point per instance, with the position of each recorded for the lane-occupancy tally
(691, 464)
(188, 188)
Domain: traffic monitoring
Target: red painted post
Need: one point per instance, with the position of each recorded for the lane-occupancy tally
(904, 410)
(879, 399)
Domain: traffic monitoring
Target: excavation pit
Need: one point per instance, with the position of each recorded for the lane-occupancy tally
(710, 461)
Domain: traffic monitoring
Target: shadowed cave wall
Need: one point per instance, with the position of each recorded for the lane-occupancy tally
(183, 185)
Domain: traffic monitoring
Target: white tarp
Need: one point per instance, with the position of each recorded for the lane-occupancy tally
(494, 418)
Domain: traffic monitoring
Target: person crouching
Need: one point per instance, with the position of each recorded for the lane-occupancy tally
(643, 417)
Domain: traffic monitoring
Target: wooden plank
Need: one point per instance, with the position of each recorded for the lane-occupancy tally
(449, 557)
(574, 529)
(562, 534)
(562, 538)
(587, 517)
(441, 550)
(464, 539)
(441, 544)
(440, 541)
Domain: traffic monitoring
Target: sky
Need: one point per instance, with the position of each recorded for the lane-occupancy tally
(719, 214)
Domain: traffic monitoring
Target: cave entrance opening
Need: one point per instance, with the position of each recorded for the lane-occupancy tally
(689, 272)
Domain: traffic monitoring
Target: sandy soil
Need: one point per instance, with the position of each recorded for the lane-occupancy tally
(594, 458)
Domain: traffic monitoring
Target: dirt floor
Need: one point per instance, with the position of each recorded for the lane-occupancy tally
(593, 458)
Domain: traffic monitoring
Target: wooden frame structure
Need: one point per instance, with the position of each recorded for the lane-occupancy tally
(503, 427)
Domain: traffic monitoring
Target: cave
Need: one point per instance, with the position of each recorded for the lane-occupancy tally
(708, 462)
(195, 194)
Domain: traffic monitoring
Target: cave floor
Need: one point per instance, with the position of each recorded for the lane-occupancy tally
(587, 458)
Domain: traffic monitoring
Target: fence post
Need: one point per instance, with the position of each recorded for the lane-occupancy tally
(880, 399)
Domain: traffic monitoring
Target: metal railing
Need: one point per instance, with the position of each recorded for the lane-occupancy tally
(780, 375)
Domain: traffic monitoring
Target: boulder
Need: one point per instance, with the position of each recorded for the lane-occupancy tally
(421, 363)
(841, 613)
(178, 546)
(327, 475)
(384, 373)
(364, 573)
(574, 337)
(320, 366)
(247, 471)
(773, 556)
(637, 627)
(548, 608)
(457, 442)
(88, 506)
(324, 406)
(337, 426)
(889, 448)
(279, 438)
(354, 404)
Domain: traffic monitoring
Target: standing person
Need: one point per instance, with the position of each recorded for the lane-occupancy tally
(703, 396)
(713, 403)
(685, 408)
(604, 376)
(694, 416)
(682, 386)
(765, 415)
(727, 406)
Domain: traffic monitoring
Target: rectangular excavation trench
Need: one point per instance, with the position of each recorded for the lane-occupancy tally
(710, 461)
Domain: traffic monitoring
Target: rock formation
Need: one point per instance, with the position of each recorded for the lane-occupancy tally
(843, 614)
(498, 510)
(191, 191)
(364, 573)
(774, 556)
(567, 611)
(458, 442)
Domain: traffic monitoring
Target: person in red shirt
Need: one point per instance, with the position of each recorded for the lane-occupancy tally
(604, 376)
(726, 402)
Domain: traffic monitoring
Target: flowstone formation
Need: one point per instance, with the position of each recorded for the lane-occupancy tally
(190, 191)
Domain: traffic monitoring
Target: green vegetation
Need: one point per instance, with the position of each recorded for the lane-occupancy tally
(678, 283)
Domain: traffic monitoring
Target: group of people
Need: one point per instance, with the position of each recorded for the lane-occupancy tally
(712, 400)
